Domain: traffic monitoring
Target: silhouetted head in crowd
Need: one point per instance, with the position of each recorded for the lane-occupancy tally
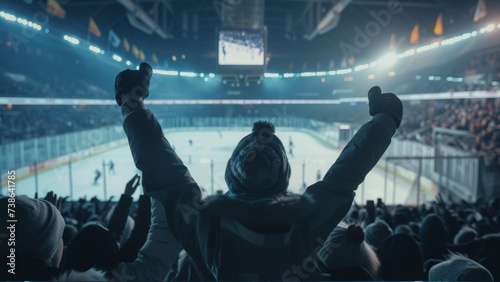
(353, 214)
(376, 232)
(38, 236)
(494, 203)
(491, 254)
(433, 236)
(94, 246)
(401, 215)
(345, 248)
(402, 228)
(415, 227)
(38, 230)
(95, 218)
(258, 166)
(483, 227)
(400, 258)
(459, 268)
(466, 234)
(69, 232)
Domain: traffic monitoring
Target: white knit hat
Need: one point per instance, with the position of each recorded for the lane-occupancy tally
(459, 268)
(38, 230)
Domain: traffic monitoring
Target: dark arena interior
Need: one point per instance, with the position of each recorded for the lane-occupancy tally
(262, 140)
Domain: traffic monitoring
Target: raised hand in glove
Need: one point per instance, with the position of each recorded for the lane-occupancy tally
(385, 103)
(133, 85)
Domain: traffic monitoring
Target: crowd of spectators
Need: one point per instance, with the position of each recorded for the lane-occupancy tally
(39, 70)
(27, 122)
(483, 62)
(98, 237)
(474, 125)
(479, 119)
(48, 84)
(127, 240)
(476, 72)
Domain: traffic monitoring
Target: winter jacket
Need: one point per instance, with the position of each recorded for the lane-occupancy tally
(230, 238)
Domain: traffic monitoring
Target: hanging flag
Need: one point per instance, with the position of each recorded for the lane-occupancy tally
(113, 39)
(392, 42)
(126, 45)
(438, 28)
(414, 35)
(480, 12)
(154, 58)
(142, 55)
(93, 28)
(55, 9)
(135, 51)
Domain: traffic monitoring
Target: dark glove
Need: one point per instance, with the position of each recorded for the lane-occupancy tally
(387, 103)
(135, 82)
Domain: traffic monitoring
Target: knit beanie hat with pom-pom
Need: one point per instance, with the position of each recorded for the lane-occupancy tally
(459, 268)
(259, 165)
(346, 247)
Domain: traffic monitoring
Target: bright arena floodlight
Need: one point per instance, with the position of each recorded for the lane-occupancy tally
(95, 49)
(8, 16)
(71, 39)
(117, 58)
(388, 60)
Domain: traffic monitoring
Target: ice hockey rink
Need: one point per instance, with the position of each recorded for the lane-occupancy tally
(309, 154)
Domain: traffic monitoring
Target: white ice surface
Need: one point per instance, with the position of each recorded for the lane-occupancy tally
(207, 145)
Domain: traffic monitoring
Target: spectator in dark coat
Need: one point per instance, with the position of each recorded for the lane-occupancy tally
(94, 246)
(400, 259)
(257, 231)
